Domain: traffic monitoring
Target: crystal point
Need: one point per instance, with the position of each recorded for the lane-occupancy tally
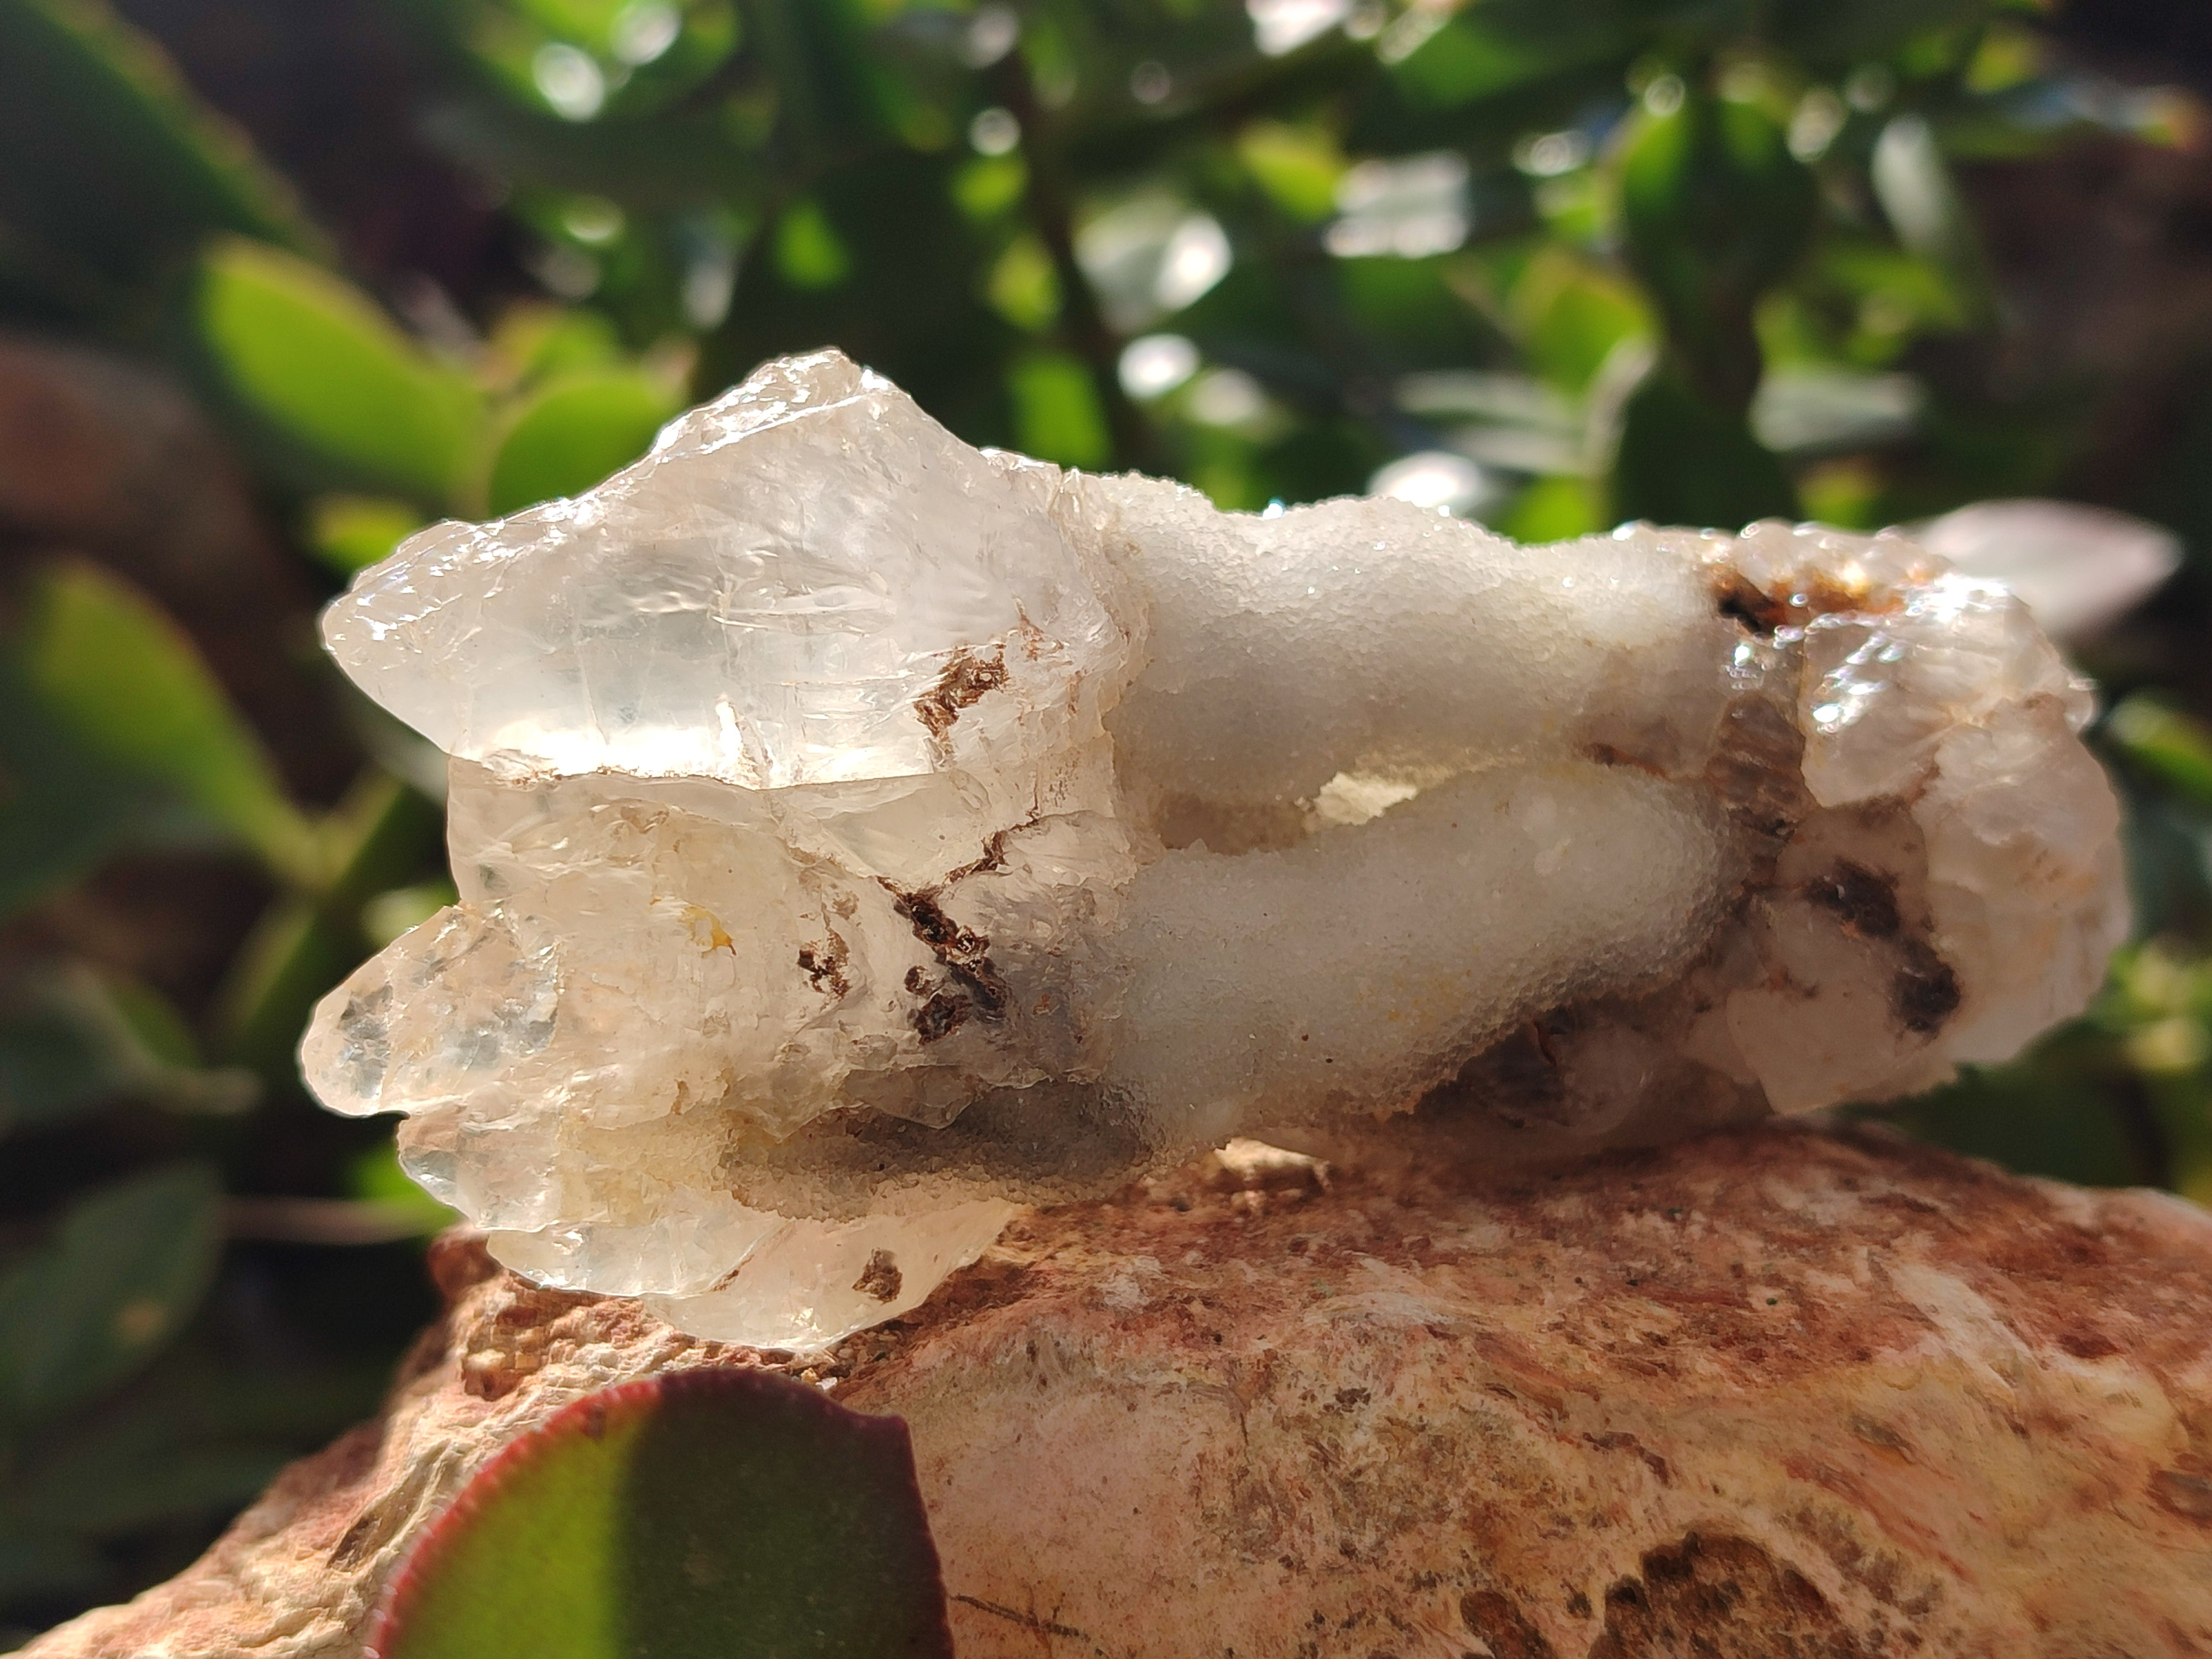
(859, 834)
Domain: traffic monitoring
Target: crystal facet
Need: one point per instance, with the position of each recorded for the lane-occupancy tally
(858, 835)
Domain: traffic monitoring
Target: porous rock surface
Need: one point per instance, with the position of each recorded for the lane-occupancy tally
(1787, 1390)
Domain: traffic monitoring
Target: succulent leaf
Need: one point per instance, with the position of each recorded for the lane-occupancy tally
(722, 1512)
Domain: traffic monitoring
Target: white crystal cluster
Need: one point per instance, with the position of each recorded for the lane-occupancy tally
(858, 835)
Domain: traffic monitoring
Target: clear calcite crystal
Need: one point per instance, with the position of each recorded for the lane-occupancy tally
(858, 835)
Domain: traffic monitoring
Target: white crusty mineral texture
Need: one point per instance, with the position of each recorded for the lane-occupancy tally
(859, 834)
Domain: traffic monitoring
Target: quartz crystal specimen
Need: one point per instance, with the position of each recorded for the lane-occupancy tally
(859, 834)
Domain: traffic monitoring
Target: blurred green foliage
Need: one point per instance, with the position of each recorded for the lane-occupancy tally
(1547, 263)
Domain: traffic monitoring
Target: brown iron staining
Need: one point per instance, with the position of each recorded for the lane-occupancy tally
(967, 678)
(1606, 754)
(1735, 596)
(1518, 1077)
(1863, 900)
(973, 986)
(1727, 1598)
(1499, 1621)
(1924, 991)
(825, 967)
(881, 1278)
(993, 857)
(1756, 769)
(1737, 599)
(943, 1012)
(1724, 1597)
(2178, 1492)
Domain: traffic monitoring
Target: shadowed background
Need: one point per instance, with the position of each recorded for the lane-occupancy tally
(279, 284)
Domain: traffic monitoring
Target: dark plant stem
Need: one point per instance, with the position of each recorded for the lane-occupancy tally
(1049, 204)
(2149, 1142)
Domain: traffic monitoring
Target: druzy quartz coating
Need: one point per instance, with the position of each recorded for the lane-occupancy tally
(859, 834)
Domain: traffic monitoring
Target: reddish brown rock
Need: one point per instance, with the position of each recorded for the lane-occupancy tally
(1766, 1393)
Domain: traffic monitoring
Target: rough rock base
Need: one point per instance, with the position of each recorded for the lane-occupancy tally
(1782, 1392)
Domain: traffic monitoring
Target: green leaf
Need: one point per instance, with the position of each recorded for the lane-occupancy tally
(913, 308)
(299, 948)
(352, 532)
(123, 1273)
(303, 944)
(1716, 211)
(987, 187)
(64, 805)
(575, 433)
(1023, 286)
(312, 361)
(183, 1447)
(727, 1513)
(1556, 509)
(1466, 60)
(2169, 746)
(809, 252)
(389, 915)
(62, 1048)
(203, 1480)
(534, 341)
(2028, 1118)
(108, 164)
(376, 1178)
(1569, 316)
(156, 1027)
(1682, 461)
(70, 1038)
(125, 678)
(1298, 166)
(612, 57)
(1846, 34)
(130, 1472)
(1057, 415)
